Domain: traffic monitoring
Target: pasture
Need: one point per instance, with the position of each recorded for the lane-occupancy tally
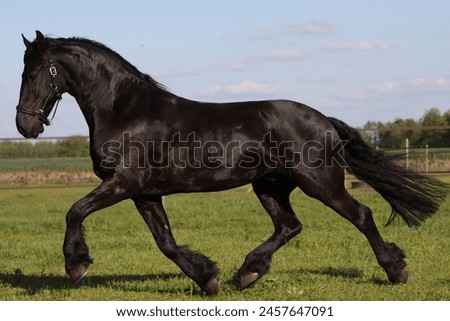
(329, 260)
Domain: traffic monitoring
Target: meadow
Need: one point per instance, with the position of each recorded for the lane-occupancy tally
(43, 165)
(329, 260)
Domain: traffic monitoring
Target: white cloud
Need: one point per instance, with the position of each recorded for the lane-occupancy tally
(250, 62)
(168, 73)
(329, 102)
(247, 63)
(317, 27)
(238, 66)
(244, 87)
(363, 45)
(437, 83)
(405, 86)
(386, 87)
(295, 29)
(392, 89)
(283, 55)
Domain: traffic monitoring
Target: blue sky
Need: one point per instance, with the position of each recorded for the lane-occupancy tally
(354, 60)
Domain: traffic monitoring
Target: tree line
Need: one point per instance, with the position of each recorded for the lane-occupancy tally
(68, 147)
(432, 130)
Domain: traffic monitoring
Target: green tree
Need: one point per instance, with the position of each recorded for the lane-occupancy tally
(433, 138)
(73, 147)
(392, 135)
(447, 132)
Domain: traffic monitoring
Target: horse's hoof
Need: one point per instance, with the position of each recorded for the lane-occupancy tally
(402, 277)
(248, 279)
(78, 274)
(213, 285)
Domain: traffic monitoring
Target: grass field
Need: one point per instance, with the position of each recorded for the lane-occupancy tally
(63, 164)
(329, 260)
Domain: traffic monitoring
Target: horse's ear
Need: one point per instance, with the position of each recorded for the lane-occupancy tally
(41, 42)
(26, 41)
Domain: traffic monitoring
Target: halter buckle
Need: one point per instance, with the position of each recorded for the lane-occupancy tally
(52, 71)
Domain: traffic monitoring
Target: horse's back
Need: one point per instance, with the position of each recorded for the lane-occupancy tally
(252, 118)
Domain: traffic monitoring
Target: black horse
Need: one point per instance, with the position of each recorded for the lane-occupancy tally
(146, 142)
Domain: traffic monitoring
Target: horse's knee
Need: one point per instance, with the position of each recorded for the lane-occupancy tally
(75, 215)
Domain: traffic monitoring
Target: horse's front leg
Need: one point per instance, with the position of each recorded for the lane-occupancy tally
(195, 265)
(76, 253)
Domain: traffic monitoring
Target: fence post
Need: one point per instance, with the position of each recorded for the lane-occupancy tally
(407, 152)
(426, 158)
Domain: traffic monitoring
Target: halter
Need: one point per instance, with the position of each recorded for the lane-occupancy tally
(54, 90)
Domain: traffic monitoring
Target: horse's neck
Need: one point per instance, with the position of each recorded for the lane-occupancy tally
(93, 82)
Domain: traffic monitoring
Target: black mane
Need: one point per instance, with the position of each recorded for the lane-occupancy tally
(57, 42)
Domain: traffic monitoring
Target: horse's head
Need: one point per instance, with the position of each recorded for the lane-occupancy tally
(41, 88)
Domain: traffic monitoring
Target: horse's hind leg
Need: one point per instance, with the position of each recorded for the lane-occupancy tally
(273, 192)
(389, 256)
(331, 191)
(195, 265)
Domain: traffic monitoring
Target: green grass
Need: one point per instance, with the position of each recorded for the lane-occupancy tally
(329, 260)
(65, 164)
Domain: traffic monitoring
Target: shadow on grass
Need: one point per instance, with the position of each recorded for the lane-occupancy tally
(355, 275)
(351, 274)
(347, 273)
(33, 284)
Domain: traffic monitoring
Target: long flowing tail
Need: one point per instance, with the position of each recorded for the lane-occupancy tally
(413, 196)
